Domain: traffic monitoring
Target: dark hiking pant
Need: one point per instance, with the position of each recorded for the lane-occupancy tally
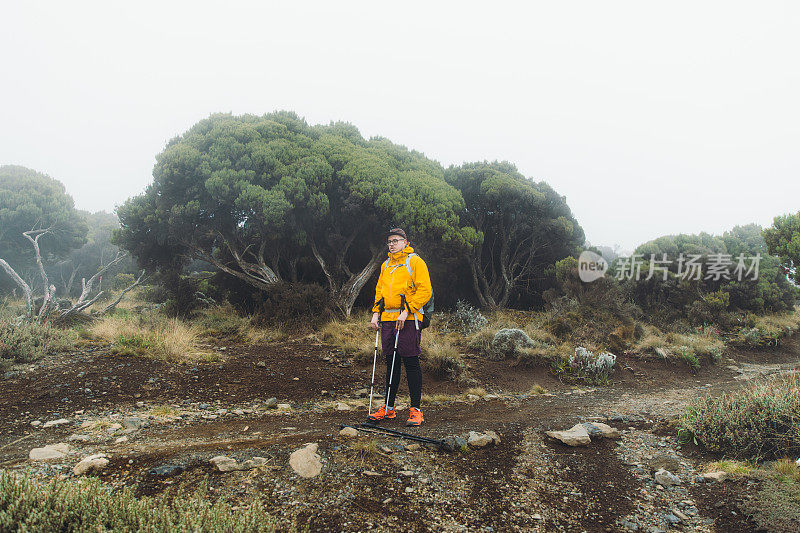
(408, 350)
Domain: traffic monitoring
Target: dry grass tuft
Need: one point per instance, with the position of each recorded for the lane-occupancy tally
(152, 336)
(352, 335)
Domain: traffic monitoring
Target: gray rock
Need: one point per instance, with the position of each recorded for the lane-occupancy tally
(672, 519)
(362, 393)
(224, 464)
(58, 422)
(715, 476)
(598, 429)
(665, 461)
(166, 470)
(628, 525)
(92, 463)
(271, 403)
(348, 432)
(133, 422)
(454, 444)
(204, 406)
(479, 440)
(306, 461)
(666, 478)
(51, 451)
(575, 436)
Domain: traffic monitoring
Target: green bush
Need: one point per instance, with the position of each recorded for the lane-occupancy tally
(27, 504)
(758, 422)
(465, 320)
(26, 342)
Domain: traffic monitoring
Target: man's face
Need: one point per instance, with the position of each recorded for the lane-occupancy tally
(396, 243)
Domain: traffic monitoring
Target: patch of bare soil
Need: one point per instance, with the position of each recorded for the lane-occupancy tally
(526, 483)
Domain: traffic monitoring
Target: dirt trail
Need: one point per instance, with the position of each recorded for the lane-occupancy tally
(527, 483)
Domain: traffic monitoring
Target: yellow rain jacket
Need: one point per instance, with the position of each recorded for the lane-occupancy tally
(395, 280)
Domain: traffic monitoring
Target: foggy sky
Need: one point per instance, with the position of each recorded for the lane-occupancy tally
(651, 118)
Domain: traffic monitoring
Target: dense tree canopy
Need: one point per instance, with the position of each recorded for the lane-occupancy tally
(523, 228)
(783, 240)
(31, 200)
(262, 197)
(759, 285)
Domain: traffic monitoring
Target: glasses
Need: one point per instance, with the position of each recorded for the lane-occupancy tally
(393, 241)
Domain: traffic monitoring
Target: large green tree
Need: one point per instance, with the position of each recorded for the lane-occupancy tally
(523, 228)
(30, 200)
(783, 240)
(255, 195)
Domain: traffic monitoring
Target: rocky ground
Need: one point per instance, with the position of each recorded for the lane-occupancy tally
(265, 424)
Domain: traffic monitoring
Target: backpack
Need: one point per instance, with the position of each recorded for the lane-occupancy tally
(427, 309)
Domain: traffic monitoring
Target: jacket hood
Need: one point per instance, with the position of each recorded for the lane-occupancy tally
(402, 253)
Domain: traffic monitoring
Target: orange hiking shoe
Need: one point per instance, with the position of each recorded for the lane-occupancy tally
(382, 413)
(415, 418)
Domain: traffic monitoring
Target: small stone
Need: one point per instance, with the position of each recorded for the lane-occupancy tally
(271, 403)
(79, 438)
(362, 393)
(412, 447)
(715, 476)
(348, 432)
(51, 451)
(407, 473)
(478, 440)
(58, 422)
(371, 473)
(385, 449)
(285, 406)
(680, 515)
(409, 489)
(295, 379)
(166, 470)
(224, 463)
(473, 397)
(121, 440)
(133, 422)
(92, 463)
(36, 423)
(261, 364)
(341, 406)
(598, 429)
(575, 436)
(387, 501)
(306, 461)
(666, 478)
(139, 404)
(672, 519)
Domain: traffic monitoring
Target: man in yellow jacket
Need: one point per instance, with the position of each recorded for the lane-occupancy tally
(404, 287)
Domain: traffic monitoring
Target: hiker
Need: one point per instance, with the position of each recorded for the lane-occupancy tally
(404, 287)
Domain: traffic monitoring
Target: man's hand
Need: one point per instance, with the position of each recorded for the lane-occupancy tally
(374, 323)
(402, 319)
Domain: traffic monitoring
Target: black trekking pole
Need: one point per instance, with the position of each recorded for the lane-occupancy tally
(372, 428)
(375, 357)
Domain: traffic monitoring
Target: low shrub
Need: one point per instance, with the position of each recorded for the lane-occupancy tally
(583, 364)
(768, 330)
(761, 421)
(441, 359)
(28, 342)
(509, 342)
(465, 319)
(28, 504)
